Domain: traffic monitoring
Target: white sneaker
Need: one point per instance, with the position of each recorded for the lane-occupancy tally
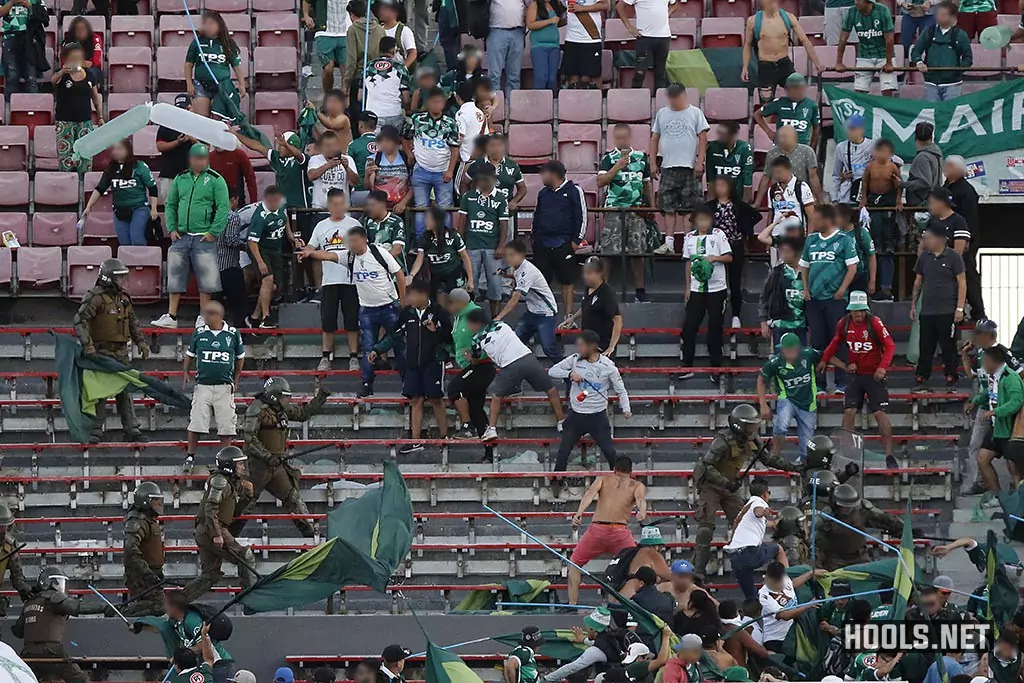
(324, 365)
(490, 434)
(736, 324)
(200, 321)
(353, 363)
(664, 249)
(559, 426)
(164, 321)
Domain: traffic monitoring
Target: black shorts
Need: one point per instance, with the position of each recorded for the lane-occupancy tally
(774, 74)
(331, 296)
(472, 382)
(997, 446)
(1014, 452)
(442, 284)
(423, 382)
(275, 264)
(556, 263)
(859, 387)
(581, 59)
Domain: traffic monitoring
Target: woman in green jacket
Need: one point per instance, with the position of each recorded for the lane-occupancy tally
(1001, 403)
(134, 188)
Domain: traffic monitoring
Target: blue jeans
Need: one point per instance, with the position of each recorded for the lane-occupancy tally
(545, 67)
(806, 423)
(505, 48)
(371, 320)
(913, 27)
(941, 93)
(822, 317)
(132, 232)
(748, 558)
(544, 327)
(886, 271)
(191, 254)
(424, 184)
(17, 68)
(777, 333)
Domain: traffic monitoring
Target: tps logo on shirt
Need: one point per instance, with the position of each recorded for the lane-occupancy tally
(823, 256)
(861, 346)
(216, 357)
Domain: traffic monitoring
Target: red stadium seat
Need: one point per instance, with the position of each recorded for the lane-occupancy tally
(119, 103)
(524, 217)
(814, 27)
(132, 31)
(99, 229)
(275, 68)
(39, 267)
(55, 189)
(170, 68)
(174, 31)
(239, 28)
(31, 110)
(731, 8)
(531, 106)
(144, 145)
(264, 179)
(914, 91)
(14, 188)
(530, 144)
(616, 36)
(726, 104)
(579, 106)
(684, 33)
(226, 6)
(13, 148)
(1015, 56)
(762, 143)
(83, 268)
(277, 109)
(129, 69)
(992, 59)
(105, 202)
(54, 229)
(44, 149)
(689, 9)
(580, 146)
(498, 112)
(641, 136)
(146, 264)
(273, 5)
(6, 267)
(827, 57)
(277, 30)
(626, 104)
(18, 224)
(177, 7)
(721, 32)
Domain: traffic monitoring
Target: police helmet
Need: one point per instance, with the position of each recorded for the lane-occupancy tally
(145, 494)
(276, 387)
(846, 496)
(6, 516)
(790, 522)
(820, 451)
(227, 458)
(743, 417)
(52, 577)
(824, 481)
(112, 270)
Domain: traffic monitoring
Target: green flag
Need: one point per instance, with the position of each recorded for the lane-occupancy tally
(1012, 503)
(702, 68)
(513, 590)
(85, 382)
(443, 666)
(903, 579)
(999, 589)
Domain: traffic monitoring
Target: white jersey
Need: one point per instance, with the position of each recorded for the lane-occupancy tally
(530, 283)
(714, 243)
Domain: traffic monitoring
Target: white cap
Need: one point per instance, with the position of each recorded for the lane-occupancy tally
(635, 652)
(831, 679)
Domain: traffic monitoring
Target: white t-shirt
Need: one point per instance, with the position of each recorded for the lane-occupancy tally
(750, 529)
(501, 345)
(715, 243)
(332, 178)
(574, 29)
(652, 17)
(471, 125)
(384, 88)
(376, 287)
(783, 201)
(773, 603)
(406, 42)
(329, 235)
(535, 290)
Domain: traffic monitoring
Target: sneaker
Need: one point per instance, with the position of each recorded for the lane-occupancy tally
(664, 249)
(559, 426)
(251, 322)
(268, 324)
(891, 463)
(736, 324)
(641, 297)
(490, 434)
(314, 298)
(465, 434)
(353, 363)
(324, 365)
(951, 382)
(686, 375)
(200, 321)
(920, 385)
(187, 466)
(840, 388)
(165, 321)
(975, 489)
(410, 448)
(364, 391)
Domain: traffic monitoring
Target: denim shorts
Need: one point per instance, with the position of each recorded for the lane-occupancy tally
(190, 254)
(202, 91)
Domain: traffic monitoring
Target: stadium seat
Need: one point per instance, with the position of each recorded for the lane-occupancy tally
(105, 202)
(616, 37)
(579, 106)
(177, 7)
(226, 6)
(170, 68)
(57, 229)
(1014, 56)
(726, 104)
(277, 109)
(626, 104)
(6, 267)
(146, 264)
(44, 149)
(641, 135)
(129, 69)
(913, 91)
(264, 179)
(83, 269)
(275, 68)
(119, 103)
(588, 185)
(51, 35)
(55, 190)
(689, 9)
(144, 145)
(98, 23)
(275, 29)
(762, 143)
(721, 32)
(99, 229)
(684, 33)
(13, 148)
(580, 146)
(39, 268)
(814, 27)
(731, 8)
(530, 144)
(240, 29)
(174, 31)
(827, 57)
(17, 223)
(498, 114)
(992, 59)
(531, 106)
(31, 110)
(273, 5)
(132, 31)
(14, 189)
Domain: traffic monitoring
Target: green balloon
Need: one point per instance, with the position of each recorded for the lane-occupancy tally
(996, 37)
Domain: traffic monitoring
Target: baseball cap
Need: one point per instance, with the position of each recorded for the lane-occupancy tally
(795, 79)
(292, 138)
(935, 230)
(394, 653)
(943, 583)
(183, 101)
(531, 637)
(284, 675)
(598, 620)
(789, 341)
(368, 117)
(460, 295)
(199, 150)
(651, 535)
(691, 641)
(682, 568)
(856, 121)
(986, 325)
(858, 302)
(243, 676)
(635, 652)
(840, 587)
(942, 194)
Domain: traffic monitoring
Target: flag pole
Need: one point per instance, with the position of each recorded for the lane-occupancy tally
(455, 645)
(811, 603)
(533, 538)
(543, 604)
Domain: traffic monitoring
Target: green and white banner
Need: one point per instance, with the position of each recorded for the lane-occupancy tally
(986, 128)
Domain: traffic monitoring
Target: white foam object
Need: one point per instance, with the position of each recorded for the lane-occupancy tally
(211, 132)
(115, 130)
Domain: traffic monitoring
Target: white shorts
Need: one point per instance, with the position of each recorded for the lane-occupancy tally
(215, 398)
(862, 79)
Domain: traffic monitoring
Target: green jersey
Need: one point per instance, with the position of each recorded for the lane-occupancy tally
(834, 615)
(803, 116)
(131, 192)
(200, 674)
(386, 232)
(508, 172)
(433, 140)
(189, 631)
(462, 337)
(870, 29)
(267, 227)
(443, 254)
(361, 149)
(971, 6)
(863, 668)
(527, 672)
(795, 298)
(881, 613)
(737, 164)
(17, 19)
(864, 245)
(795, 383)
(290, 177)
(627, 186)
(215, 353)
(210, 51)
(826, 260)
(484, 213)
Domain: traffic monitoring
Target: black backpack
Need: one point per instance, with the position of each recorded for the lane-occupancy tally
(774, 295)
(220, 626)
(478, 19)
(375, 250)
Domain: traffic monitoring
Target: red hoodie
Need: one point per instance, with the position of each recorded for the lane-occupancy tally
(864, 344)
(236, 169)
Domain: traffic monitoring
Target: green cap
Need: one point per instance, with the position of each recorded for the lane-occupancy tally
(292, 138)
(996, 37)
(858, 302)
(795, 79)
(598, 620)
(199, 150)
(651, 535)
(736, 674)
(789, 341)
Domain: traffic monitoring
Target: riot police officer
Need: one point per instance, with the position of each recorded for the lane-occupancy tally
(10, 561)
(838, 546)
(717, 475)
(825, 482)
(41, 626)
(144, 551)
(216, 512)
(791, 533)
(266, 438)
(105, 323)
(821, 453)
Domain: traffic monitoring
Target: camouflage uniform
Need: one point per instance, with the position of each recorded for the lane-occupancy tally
(12, 564)
(143, 562)
(266, 438)
(839, 547)
(790, 533)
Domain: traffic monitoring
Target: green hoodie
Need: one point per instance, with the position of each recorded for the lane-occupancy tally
(1006, 402)
(462, 337)
(943, 49)
(356, 45)
(198, 204)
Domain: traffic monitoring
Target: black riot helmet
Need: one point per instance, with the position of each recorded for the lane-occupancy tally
(275, 389)
(113, 271)
(744, 420)
(791, 522)
(820, 452)
(52, 578)
(824, 481)
(149, 498)
(6, 517)
(231, 460)
(846, 496)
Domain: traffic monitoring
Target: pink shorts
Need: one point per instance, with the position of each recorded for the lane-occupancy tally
(602, 539)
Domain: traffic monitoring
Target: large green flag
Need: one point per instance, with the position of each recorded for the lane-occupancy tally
(999, 589)
(1012, 503)
(513, 590)
(703, 68)
(903, 579)
(84, 382)
(443, 666)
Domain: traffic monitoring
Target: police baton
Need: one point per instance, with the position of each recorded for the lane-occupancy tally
(14, 552)
(757, 457)
(110, 605)
(314, 449)
(240, 561)
(151, 589)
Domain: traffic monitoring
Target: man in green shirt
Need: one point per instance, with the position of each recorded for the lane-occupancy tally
(521, 663)
(871, 666)
(791, 373)
(289, 165)
(361, 149)
(482, 220)
(21, 71)
(793, 109)
(788, 271)
(867, 263)
(731, 157)
(196, 213)
(383, 227)
(872, 23)
(267, 231)
(468, 391)
(511, 182)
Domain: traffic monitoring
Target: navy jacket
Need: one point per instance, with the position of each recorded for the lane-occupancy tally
(561, 215)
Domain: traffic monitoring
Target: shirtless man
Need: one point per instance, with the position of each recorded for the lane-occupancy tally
(681, 585)
(647, 554)
(768, 35)
(608, 532)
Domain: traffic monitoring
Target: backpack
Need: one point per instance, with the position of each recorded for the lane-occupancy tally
(375, 250)
(774, 296)
(869, 320)
(220, 626)
(617, 572)
(759, 17)
(478, 18)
